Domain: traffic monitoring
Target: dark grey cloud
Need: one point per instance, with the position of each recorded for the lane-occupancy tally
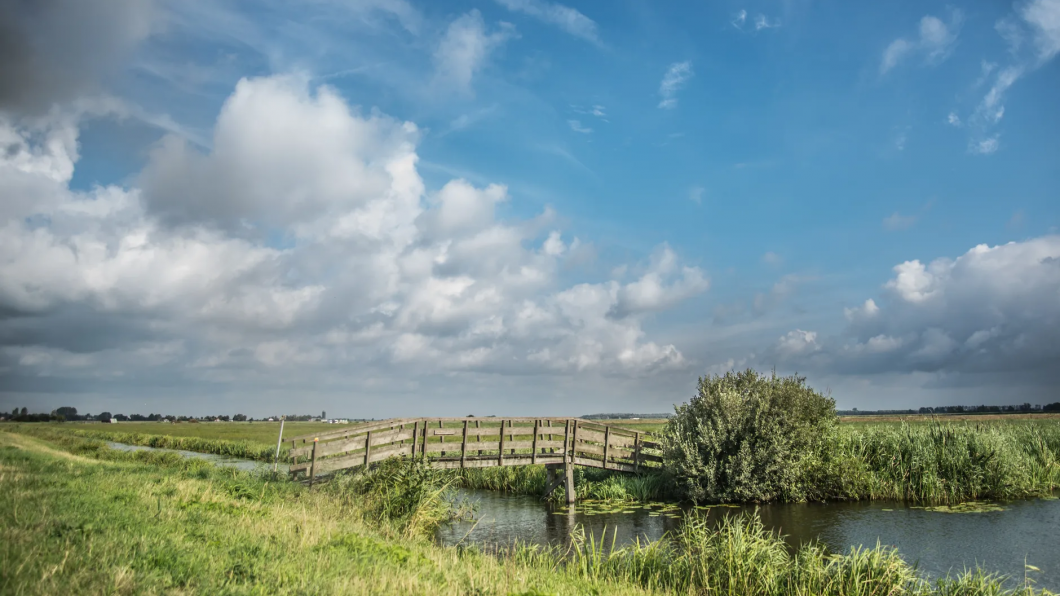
(54, 50)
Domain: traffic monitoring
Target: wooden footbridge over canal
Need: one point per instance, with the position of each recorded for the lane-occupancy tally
(446, 443)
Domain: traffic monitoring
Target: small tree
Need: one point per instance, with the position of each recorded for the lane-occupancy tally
(240, 418)
(746, 437)
(25, 412)
(104, 416)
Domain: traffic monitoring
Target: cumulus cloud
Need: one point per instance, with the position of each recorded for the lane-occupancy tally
(935, 41)
(303, 239)
(564, 17)
(53, 51)
(673, 81)
(465, 49)
(993, 309)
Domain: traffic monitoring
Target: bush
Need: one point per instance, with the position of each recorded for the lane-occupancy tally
(747, 437)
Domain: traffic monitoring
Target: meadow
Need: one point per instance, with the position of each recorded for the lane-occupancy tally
(78, 517)
(934, 461)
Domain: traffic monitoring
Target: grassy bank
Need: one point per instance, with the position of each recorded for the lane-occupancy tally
(80, 518)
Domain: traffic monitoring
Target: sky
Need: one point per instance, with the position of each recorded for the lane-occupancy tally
(520, 207)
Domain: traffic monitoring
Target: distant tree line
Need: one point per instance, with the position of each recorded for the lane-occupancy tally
(1013, 409)
(625, 416)
(70, 414)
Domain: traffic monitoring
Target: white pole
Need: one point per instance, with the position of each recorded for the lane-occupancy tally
(276, 460)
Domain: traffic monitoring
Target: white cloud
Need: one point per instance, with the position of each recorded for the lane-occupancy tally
(934, 42)
(675, 78)
(772, 258)
(739, 19)
(599, 111)
(1043, 17)
(984, 146)
(897, 221)
(695, 194)
(576, 126)
(763, 22)
(953, 119)
(564, 17)
(465, 49)
(797, 343)
(371, 270)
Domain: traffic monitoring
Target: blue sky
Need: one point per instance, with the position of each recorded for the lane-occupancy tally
(295, 198)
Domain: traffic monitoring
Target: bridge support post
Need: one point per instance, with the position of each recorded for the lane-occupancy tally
(568, 462)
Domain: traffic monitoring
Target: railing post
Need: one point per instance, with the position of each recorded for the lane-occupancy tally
(500, 450)
(607, 442)
(478, 438)
(533, 458)
(313, 465)
(550, 449)
(441, 438)
(463, 447)
(415, 437)
(367, 448)
(568, 463)
(636, 453)
(423, 443)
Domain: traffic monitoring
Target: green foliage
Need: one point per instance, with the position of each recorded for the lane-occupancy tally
(406, 494)
(747, 437)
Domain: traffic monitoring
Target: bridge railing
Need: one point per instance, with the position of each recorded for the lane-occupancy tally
(475, 443)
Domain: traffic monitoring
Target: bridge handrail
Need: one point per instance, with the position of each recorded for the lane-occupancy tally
(583, 442)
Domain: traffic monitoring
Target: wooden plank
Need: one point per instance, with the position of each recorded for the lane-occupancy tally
(518, 460)
(334, 447)
(595, 463)
(589, 435)
(442, 432)
(354, 429)
(391, 451)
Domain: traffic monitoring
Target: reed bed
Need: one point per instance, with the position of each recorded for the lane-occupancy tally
(941, 463)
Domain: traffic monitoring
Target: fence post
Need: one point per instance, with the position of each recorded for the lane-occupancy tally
(533, 458)
(568, 463)
(478, 438)
(415, 437)
(463, 447)
(500, 453)
(607, 442)
(313, 464)
(441, 438)
(276, 460)
(367, 448)
(636, 453)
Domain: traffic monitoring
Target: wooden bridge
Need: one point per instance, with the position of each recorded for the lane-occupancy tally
(558, 443)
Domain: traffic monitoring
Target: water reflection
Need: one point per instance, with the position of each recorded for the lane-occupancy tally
(939, 543)
(248, 465)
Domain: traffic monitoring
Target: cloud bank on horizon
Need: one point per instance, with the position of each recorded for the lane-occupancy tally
(208, 209)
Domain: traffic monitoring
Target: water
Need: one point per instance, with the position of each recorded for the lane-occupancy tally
(939, 543)
(248, 465)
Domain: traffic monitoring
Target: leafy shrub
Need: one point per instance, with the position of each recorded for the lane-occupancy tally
(747, 437)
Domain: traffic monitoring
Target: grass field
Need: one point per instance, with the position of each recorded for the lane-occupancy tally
(79, 518)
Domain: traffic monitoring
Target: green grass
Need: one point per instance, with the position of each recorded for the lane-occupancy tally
(77, 517)
(259, 433)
